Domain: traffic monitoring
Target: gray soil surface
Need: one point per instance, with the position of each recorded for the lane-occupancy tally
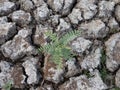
(23, 24)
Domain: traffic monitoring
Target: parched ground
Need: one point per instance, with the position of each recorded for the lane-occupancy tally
(23, 24)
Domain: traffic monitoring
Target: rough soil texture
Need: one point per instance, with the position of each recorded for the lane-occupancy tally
(23, 24)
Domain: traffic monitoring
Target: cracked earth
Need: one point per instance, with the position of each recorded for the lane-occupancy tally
(23, 24)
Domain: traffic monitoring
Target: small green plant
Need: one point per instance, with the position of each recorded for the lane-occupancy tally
(103, 70)
(87, 73)
(112, 31)
(58, 48)
(115, 88)
(8, 85)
